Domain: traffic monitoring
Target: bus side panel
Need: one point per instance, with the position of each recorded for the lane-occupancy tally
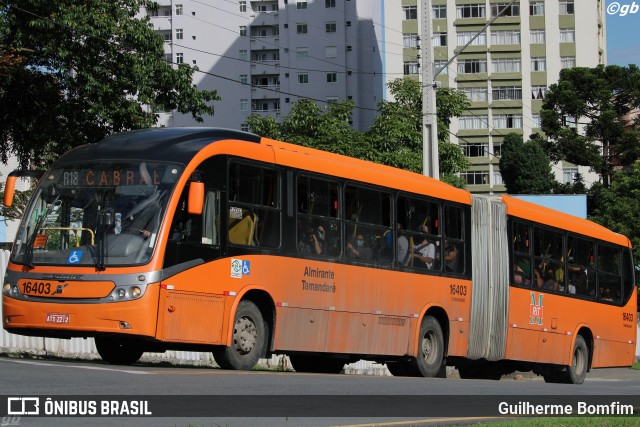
(190, 317)
(301, 329)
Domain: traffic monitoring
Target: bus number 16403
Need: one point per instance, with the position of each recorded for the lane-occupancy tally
(458, 290)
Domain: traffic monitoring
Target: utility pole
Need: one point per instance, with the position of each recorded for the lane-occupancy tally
(431, 166)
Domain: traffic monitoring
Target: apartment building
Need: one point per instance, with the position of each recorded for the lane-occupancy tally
(506, 68)
(263, 55)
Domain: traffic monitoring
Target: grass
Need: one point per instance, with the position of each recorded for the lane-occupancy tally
(566, 421)
(636, 366)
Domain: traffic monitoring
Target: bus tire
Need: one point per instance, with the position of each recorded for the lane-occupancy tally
(316, 364)
(248, 341)
(403, 368)
(118, 351)
(430, 360)
(577, 370)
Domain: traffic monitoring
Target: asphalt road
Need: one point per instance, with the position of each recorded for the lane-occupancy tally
(187, 396)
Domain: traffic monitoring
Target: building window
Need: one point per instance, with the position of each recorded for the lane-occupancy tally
(179, 58)
(244, 127)
(244, 79)
(411, 68)
(475, 94)
(301, 4)
(410, 12)
(505, 65)
(538, 92)
(440, 68)
(471, 11)
(243, 31)
(439, 39)
(511, 9)
(330, 27)
(537, 37)
(330, 51)
(510, 93)
(244, 105)
(410, 40)
(475, 150)
(439, 11)
(497, 178)
(505, 37)
(470, 66)
(569, 175)
(243, 5)
(332, 77)
(473, 122)
(303, 78)
(567, 62)
(243, 56)
(178, 9)
(475, 177)
(497, 149)
(301, 28)
(566, 8)
(329, 3)
(302, 53)
(536, 8)
(537, 121)
(507, 121)
(168, 57)
(466, 36)
(179, 34)
(538, 64)
(568, 35)
(332, 100)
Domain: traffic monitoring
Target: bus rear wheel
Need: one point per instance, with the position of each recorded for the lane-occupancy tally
(118, 351)
(316, 364)
(430, 361)
(576, 372)
(248, 342)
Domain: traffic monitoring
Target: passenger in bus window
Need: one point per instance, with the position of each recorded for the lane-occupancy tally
(537, 279)
(550, 282)
(425, 251)
(403, 245)
(313, 240)
(358, 249)
(450, 256)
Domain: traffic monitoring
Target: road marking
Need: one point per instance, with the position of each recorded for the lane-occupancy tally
(97, 368)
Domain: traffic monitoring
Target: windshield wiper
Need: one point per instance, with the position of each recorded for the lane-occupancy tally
(28, 253)
(105, 220)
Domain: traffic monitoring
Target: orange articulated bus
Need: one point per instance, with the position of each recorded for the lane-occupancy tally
(223, 241)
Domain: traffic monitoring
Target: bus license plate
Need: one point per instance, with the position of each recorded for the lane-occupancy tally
(58, 318)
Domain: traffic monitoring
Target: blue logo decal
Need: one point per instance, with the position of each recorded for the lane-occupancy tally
(246, 268)
(74, 257)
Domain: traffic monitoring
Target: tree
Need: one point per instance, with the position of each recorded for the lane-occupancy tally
(75, 71)
(618, 206)
(582, 117)
(524, 166)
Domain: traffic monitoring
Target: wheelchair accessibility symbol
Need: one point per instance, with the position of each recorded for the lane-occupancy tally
(240, 268)
(74, 257)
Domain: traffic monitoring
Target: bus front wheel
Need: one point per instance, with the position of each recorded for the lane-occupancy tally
(118, 351)
(248, 340)
(430, 360)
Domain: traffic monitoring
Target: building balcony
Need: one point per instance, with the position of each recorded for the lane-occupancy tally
(268, 18)
(161, 23)
(264, 43)
(264, 67)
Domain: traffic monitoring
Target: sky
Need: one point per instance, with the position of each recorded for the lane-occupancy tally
(623, 32)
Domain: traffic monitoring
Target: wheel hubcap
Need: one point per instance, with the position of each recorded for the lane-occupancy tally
(245, 335)
(578, 361)
(429, 347)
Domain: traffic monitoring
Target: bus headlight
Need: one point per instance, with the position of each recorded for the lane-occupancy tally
(135, 292)
(6, 288)
(10, 289)
(126, 293)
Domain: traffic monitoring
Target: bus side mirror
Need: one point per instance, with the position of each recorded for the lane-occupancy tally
(9, 191)
(196, 198)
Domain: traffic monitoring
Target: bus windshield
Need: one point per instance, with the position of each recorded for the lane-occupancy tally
(100, 214)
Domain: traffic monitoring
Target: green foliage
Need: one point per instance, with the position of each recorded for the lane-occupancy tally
(82, 70)
(618, 206)
(394, 139)
(595, 98)
(525, 168)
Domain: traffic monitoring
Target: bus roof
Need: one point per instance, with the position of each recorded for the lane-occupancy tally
(541, 214)
(155, 144)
